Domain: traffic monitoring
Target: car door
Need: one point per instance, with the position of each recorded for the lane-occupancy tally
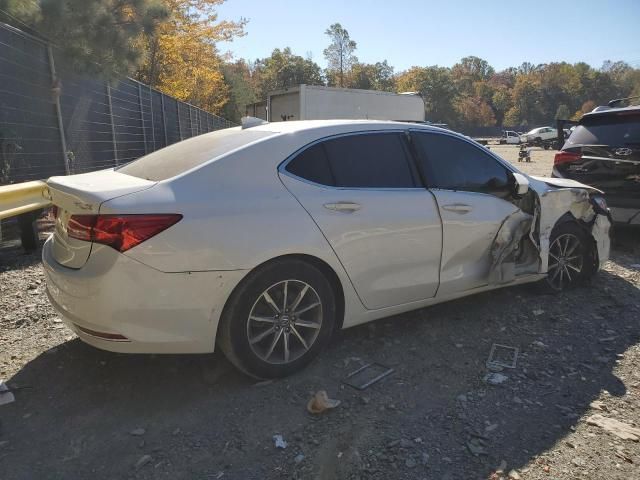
(363, 192)
(472, 190)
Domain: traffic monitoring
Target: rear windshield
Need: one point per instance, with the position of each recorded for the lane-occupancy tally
(614, 130)
(180, 157)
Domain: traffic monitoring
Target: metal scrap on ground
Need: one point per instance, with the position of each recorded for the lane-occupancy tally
(502, 356)
(367, 375)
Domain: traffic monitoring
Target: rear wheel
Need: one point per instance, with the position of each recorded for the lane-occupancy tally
(571, 258)
(278, 319)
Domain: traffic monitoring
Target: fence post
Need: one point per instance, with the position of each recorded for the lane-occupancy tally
(190, 122)
(164, 119)
(144, 130)
(113, 127)
(63, 140)
(153, 123)
(179, 122)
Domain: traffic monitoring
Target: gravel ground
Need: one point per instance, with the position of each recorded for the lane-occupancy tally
(80, 412)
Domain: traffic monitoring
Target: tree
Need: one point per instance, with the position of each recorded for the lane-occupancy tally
(283, 69)
(241, 82)
(377, 76)
(339, 53)
(437, 89)
(181, 56)
(469, 71)
(95, 36)
(474, 112)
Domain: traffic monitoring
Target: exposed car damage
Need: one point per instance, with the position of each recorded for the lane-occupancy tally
(554, 199)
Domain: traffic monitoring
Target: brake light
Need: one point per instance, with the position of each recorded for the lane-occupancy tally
(566, 157)
(121, 232)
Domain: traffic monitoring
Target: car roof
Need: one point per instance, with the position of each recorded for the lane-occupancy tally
(613, 110)
(340, 125)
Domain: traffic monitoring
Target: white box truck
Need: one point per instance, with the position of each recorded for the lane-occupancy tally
(309, 102)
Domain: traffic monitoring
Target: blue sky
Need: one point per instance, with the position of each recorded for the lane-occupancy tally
(413, 32)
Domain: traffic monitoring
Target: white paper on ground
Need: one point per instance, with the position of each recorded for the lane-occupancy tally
(5, 395)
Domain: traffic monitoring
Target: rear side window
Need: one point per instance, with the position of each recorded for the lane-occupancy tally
(312, 165)
(180, 157)
(454, 164)
(372, 160)
(612, 130)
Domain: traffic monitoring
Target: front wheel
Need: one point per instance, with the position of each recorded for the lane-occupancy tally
(571, 257)
(278, 319)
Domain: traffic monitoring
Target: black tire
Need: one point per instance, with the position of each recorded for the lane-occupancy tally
(537, 142)
(236, 326)
(574, 265)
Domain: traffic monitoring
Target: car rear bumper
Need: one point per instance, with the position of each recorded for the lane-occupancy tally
(624, 210)
(119, 304)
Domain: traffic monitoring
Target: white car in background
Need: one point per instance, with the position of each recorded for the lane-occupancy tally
(265, 240)
(539, 135)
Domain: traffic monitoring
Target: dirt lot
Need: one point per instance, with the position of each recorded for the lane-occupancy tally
(84, 413)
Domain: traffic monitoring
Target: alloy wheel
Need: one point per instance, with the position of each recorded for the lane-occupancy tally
(284, 321)
(566, 261)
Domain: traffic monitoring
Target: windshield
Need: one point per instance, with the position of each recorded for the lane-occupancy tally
(615, 130)
(182, 156)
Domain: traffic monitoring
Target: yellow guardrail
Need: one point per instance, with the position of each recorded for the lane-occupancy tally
(22, 198)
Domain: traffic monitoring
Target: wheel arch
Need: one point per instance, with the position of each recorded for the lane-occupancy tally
(568, 217)
(318, 263)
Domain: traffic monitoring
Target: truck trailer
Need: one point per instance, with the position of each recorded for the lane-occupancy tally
(310, 102)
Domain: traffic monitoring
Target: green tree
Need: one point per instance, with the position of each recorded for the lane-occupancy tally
(239, 77)
(339, 54)
(284, 69)
(372, 76)
(96, 36)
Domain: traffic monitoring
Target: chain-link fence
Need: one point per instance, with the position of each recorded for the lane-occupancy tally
(55, 122)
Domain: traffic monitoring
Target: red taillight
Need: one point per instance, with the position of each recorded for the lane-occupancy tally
(565, 157)
(121, 232)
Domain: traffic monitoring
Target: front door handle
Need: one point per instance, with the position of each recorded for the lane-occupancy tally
(346, 207)
(458, 207)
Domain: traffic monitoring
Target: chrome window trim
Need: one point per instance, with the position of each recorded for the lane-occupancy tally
(282, 167)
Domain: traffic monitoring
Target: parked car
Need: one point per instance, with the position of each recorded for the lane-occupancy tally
(604, 151)
(540, 135)
(510, 137)
(265, 240)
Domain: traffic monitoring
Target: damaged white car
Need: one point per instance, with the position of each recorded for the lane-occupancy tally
(265, 240)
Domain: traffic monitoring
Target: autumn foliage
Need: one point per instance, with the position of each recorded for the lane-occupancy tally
(181, 56)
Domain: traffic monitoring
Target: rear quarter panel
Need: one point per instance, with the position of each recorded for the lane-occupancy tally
(237, 215)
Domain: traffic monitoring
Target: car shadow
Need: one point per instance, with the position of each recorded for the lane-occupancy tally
(81, 412)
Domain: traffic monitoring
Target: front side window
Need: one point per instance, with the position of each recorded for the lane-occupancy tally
(372, 160)
(453, 164)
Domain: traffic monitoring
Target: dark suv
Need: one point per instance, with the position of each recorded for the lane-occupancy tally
(604, 151)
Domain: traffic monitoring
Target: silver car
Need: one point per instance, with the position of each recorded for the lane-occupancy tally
(265, 240)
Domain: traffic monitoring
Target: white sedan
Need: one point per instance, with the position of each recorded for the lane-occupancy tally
(539, 135)
(265, 240)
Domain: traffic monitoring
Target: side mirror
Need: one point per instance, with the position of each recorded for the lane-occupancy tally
(521, 184)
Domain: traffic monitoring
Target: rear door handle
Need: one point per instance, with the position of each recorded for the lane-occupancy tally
(458, 207)
(346, 207)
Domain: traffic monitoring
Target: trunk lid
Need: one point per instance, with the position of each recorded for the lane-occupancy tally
(81, 195)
